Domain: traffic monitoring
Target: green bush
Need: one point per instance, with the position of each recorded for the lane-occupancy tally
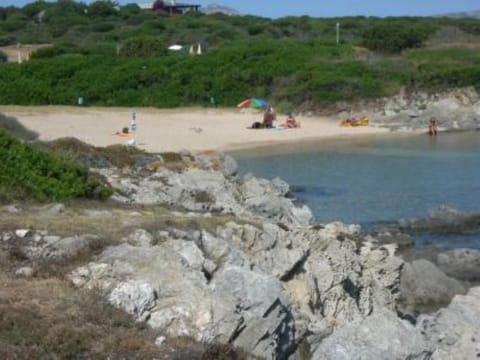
(143, 47)
(291, 61)
(395, 37)
(48, 52)
(7, 40)
(103, 27)
(102, 9)
(38, 174)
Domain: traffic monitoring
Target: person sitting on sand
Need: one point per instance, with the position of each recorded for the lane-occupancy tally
(291, 122)
(268, 117)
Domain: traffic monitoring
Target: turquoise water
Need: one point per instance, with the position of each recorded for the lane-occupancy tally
(377, 179)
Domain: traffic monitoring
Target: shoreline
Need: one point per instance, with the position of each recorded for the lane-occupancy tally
(193, 129)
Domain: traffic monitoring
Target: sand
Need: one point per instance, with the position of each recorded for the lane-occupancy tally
(159, 130)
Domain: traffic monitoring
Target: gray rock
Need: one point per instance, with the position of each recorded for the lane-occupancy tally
(229, 165)
(461, 264)
(281, 186)
(454, 332)
(443, 219)
(268, 327)
(221, 252)
(140, 237)
(381, 336)
(7, 236)
(22, 233)
(422, 283)
(12, 209)
(160, 340)
(203, 162)
(136, 298)
(52, 209)
(68, 247)
(25, 271)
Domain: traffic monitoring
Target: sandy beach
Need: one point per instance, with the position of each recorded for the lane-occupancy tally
(159, 130)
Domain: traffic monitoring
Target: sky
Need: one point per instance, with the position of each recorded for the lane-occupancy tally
(326, 8)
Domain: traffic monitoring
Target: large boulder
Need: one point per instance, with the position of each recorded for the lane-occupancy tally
(264, 198)
(422, 283)
(454, 332)
(461, 264)
(380, 336)
(208, 291)
(267, 329)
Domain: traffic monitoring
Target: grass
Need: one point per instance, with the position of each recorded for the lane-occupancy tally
(42, 318)
(75, 219)
(45, 317)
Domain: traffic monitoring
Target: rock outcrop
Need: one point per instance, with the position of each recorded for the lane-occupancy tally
(455, 109)
(264, 279)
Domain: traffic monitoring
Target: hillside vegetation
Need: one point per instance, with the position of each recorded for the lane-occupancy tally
(118, 56)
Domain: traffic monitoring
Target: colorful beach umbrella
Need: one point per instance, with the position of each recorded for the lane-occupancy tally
(255, 103)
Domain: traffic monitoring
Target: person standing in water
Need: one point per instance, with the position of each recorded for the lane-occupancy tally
(432, 127)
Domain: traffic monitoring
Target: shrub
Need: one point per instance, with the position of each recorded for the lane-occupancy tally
(102, 9)
(129, 10)
(146, 46)
(396, 37)
(48, 52)
(36, 173)
(103, 27)
(7, 40)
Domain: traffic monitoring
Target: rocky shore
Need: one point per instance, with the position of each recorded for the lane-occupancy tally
(455, 110)
(202, 252)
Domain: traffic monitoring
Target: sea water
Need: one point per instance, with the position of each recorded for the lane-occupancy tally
(375, 180)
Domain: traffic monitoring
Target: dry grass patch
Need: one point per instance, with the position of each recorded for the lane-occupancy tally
(48, 319)
(75, 220)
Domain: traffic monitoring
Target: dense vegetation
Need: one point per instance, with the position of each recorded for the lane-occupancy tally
(117, 56)
(29, 171)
